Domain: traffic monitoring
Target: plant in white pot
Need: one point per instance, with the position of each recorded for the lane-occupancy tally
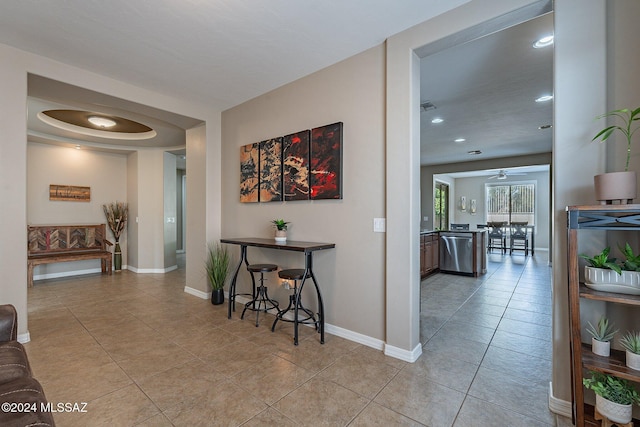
(631, 343)
(614, 396)
(619, 186)
(606, 274)
(601, 337)
(281, 230)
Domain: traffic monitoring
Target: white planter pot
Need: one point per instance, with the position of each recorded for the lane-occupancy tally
(601, 348)
(614, 411)
(633, 360)
(281, 236)
(601, 279)
(620, 186)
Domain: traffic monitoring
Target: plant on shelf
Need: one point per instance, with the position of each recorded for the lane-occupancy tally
(620, 186)
(116, 214)
(613, 392)
(628, 118)
(631, 261)
(602, 260)
(281, 229)
(631, 343)
(601, 336)
(217, 268)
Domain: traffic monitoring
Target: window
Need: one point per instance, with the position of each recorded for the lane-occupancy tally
(441, 206)
(511, 203)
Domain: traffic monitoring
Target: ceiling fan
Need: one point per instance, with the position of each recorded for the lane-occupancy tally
(502, 174)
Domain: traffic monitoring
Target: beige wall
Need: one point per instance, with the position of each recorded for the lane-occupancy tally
(169, 192)
(105, 173)
(352, 275)
(132, 200)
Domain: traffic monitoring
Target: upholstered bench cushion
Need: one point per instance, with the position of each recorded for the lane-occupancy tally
(27, 392)
(13, 362)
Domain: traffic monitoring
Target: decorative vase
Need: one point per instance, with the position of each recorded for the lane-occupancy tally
(633, 360)
(601, 348)
(217, 296)
(281, 236)
(117, 257)
(613, 411)
(615, 186)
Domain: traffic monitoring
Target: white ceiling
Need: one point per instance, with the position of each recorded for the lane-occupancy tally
(218, 52)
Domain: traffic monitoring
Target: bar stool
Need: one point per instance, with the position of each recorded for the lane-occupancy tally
(295, 301)
(260, 294)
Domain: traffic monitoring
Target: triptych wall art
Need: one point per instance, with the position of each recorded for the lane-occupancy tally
(305, 165)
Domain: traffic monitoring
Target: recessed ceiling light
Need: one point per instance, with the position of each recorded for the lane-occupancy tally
(474, 152)
(103, 122)
(544, 98)
(544, 127)
(77, 147)
(544, 42)
(437, 120)
(459, 140)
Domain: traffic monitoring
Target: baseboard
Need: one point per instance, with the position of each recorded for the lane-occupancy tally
(197, 292)
(151, 270)
(354, 336)
(559, 406)
(402, 354)
(66, 274)
(24, 338)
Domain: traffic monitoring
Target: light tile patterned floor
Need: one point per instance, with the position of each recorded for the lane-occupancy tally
(142, 352)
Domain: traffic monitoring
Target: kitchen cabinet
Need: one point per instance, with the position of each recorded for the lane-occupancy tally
(583, 218)
(429, 252)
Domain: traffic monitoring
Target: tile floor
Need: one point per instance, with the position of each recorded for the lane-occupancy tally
(142, 352)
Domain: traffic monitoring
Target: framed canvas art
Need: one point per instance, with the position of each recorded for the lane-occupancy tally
(295, 162)
(271, 170)
(249, 158)
(326, 162)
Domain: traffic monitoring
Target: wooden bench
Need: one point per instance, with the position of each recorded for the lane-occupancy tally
(49, 244)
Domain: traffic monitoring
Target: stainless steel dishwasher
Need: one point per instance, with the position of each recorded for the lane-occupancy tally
(456, 252)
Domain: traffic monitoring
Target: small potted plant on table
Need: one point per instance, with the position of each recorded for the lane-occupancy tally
(217, 268)
(614, 396)
(601, 337)
(281, 230)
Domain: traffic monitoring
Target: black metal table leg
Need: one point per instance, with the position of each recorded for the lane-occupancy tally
(308, 272)
(232, 286)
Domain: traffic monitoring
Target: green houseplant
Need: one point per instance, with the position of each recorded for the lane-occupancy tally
(599, 274)
(217, 268)
(631, 261)
(631, 343)
(601, 336)
(116, 214)
(281, 230)
(602, 260)
(618, 185)
(614, 396)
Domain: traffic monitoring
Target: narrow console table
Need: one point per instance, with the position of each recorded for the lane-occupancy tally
(307, 247)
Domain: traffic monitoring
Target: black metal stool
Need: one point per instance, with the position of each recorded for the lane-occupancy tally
(295, 302)
(260, 294)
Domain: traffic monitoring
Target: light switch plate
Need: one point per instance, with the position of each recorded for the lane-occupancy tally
(379, 225)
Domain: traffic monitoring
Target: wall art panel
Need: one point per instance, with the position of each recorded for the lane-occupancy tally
(295, 159)
(326, 162)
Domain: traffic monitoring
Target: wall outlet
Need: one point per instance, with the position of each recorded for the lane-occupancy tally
(379, 225)
(286, 284)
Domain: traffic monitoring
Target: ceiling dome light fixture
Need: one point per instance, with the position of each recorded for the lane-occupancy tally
(102, 122)
(459, 140)
(544, 127)
(437, 120)
(474, 152)
(544, 98)
(544, 42)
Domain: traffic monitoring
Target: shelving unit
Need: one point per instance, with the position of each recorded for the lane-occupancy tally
(599, 217)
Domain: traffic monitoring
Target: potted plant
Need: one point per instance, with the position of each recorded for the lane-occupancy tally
(614, 396)
(601, 337)
(631, 343)
(281, 230)
(618, 185)
(116, 214)
(217, 268)
(606, 274)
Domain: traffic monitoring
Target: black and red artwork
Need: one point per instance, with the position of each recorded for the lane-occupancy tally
(295, 160)
(326, 162)
(271, 170)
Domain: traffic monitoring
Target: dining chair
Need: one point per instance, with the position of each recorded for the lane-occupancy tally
(497, 236)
